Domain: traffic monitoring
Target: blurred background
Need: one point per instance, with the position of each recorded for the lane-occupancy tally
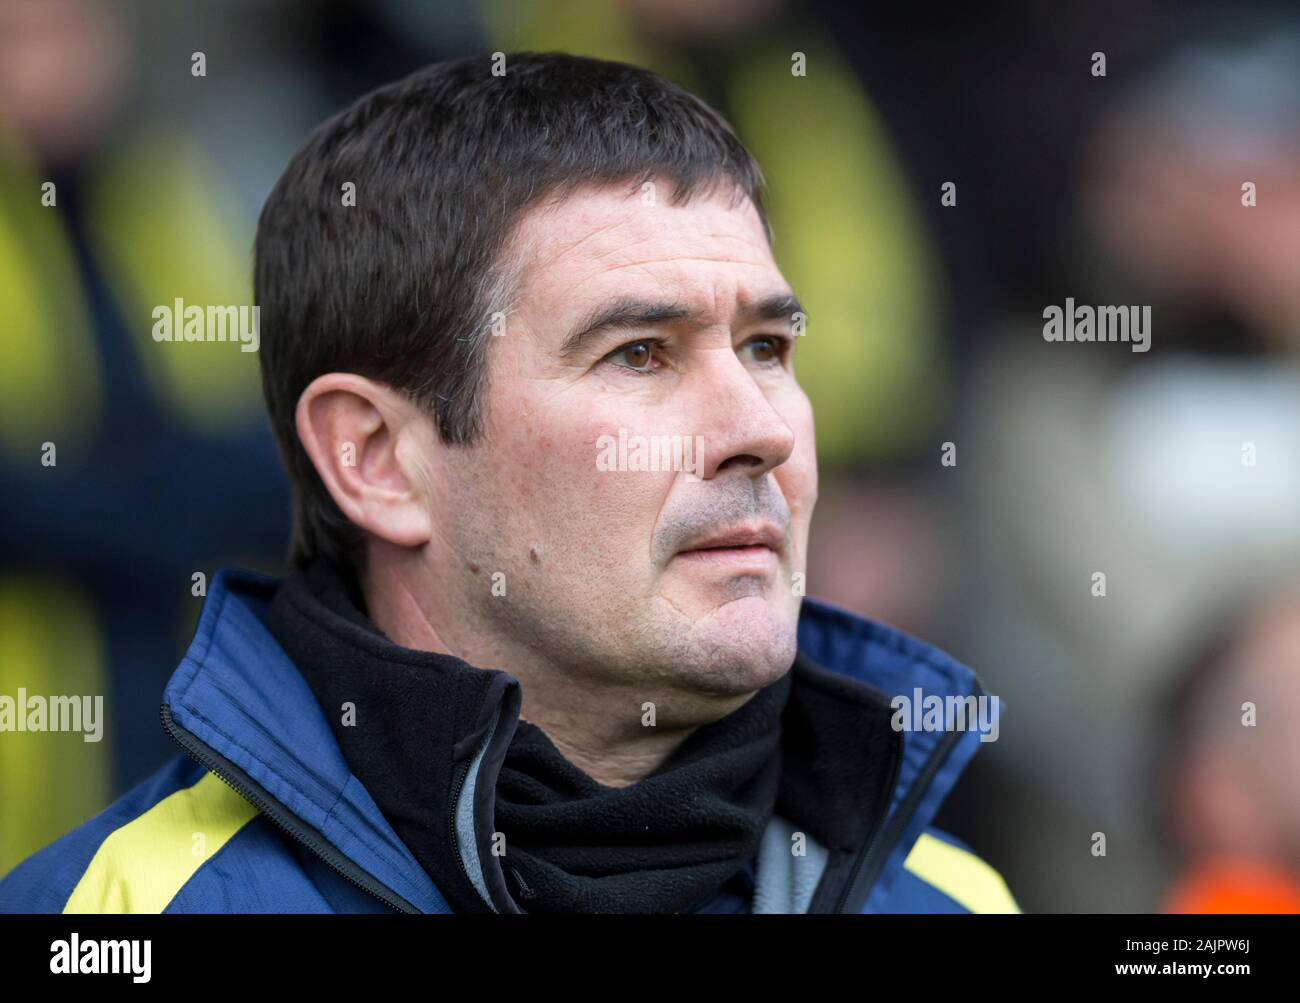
(1174, 472)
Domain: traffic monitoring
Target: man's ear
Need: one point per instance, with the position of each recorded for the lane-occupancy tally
(367, 442)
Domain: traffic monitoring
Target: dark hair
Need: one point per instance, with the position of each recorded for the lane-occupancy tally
(402, 287)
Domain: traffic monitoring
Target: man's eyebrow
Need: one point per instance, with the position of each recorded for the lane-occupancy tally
(779, 306)
(630, 312)
(624, 312)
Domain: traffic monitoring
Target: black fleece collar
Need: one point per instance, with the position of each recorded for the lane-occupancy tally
(815, 747)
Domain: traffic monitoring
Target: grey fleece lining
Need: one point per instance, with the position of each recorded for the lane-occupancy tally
(465, 835)
(785, 882)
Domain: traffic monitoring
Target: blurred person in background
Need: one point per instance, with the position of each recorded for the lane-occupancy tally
(1175, 473)
(1229, 778)
(126, 468)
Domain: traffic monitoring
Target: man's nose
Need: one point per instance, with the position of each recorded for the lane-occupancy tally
(742, 431)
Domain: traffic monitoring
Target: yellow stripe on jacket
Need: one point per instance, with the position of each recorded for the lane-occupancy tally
(960, 875)
(140, 867)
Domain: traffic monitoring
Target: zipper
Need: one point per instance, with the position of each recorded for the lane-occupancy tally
(252, 792)
(462, 772)
(867, 867)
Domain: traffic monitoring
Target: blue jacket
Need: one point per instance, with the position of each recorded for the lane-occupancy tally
(260, 812)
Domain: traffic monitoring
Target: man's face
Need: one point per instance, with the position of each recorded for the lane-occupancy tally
(685, 576)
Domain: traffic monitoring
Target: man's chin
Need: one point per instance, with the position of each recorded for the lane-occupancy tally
(742, 645)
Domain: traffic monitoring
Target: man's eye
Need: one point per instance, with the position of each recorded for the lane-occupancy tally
(766, 349)
(638, 356)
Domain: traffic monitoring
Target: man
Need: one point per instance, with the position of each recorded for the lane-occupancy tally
(529, 359)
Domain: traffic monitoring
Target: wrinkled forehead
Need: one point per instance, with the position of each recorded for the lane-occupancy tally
(600, 241)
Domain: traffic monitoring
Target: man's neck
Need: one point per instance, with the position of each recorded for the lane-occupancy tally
(616, 734)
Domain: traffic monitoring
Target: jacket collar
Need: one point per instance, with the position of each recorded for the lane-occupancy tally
(904, 667)
(241, 697)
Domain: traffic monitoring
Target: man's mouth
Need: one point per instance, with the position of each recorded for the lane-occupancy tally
(758, 545)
